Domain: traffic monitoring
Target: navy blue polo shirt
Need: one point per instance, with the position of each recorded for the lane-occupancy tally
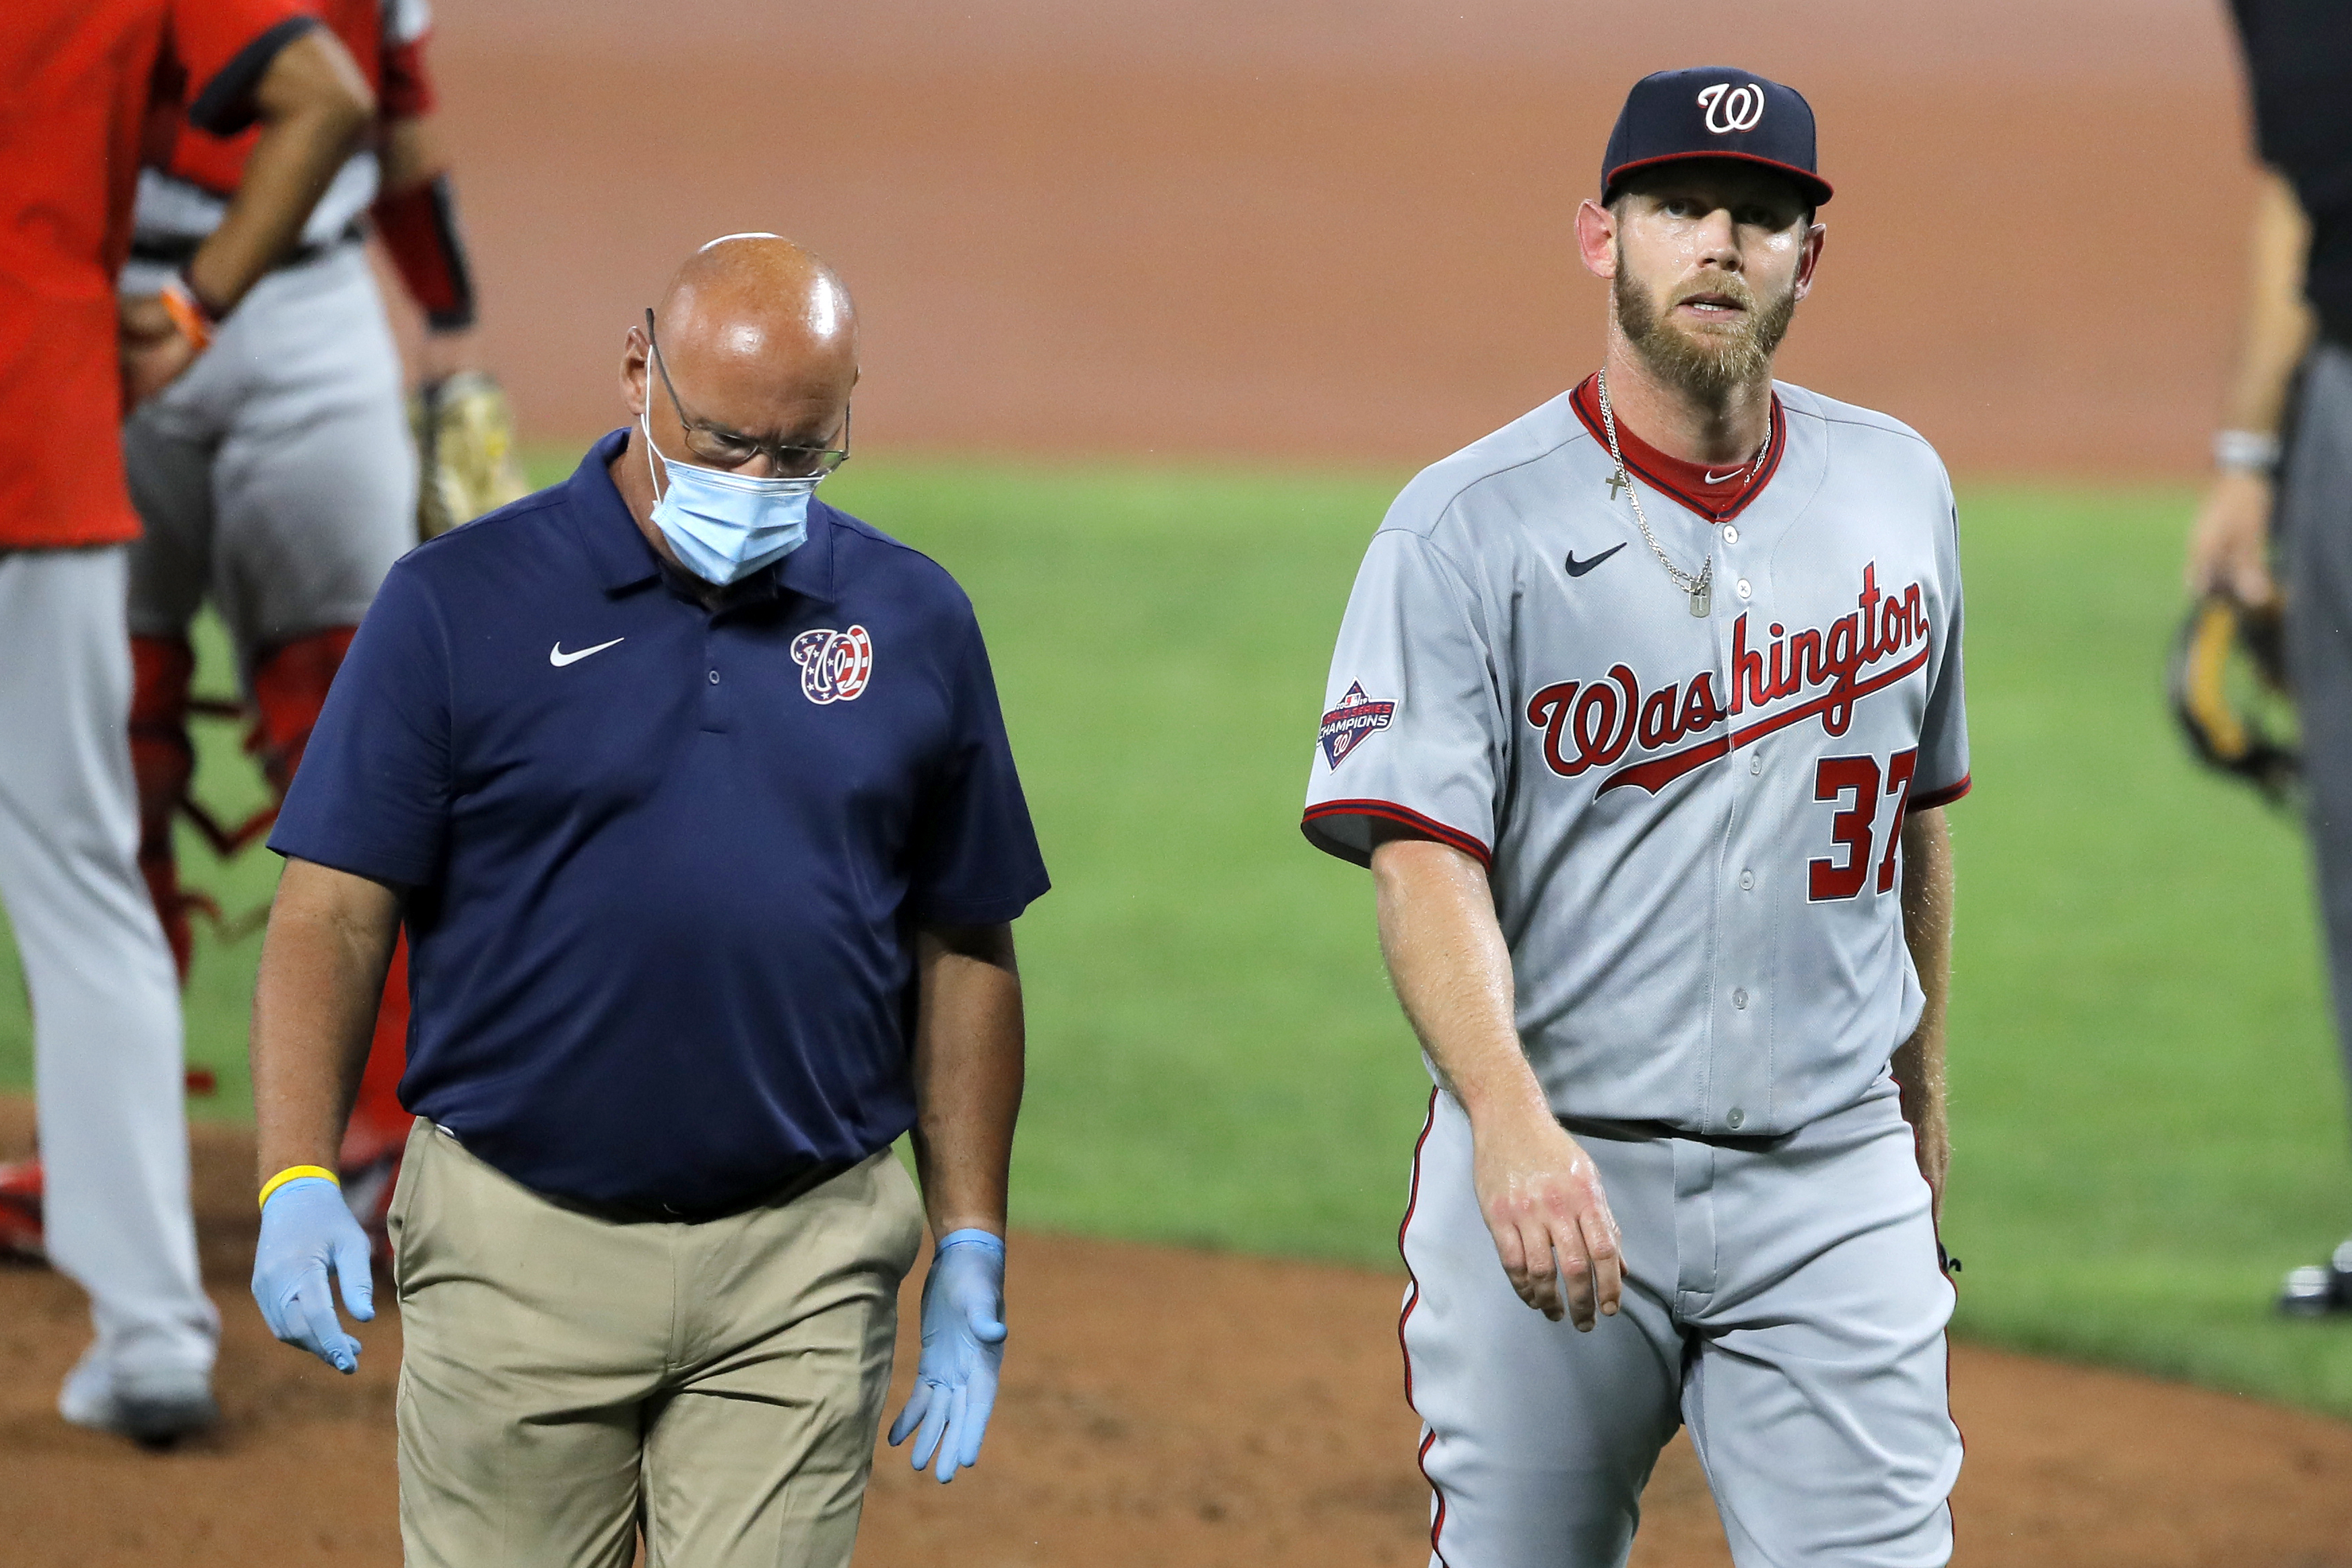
(664, 865)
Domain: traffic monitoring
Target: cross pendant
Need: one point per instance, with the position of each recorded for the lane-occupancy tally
(1616, 482)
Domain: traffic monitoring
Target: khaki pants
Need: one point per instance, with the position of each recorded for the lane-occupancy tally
(569, 1379)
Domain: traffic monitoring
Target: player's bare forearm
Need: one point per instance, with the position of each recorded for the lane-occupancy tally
(969, 1064)
(323, 958)
(409, 154)
(1452, 972)
(1918, 1064)
(314, 109)
(2279, 323)
(2229, 547)
(1537, 1188)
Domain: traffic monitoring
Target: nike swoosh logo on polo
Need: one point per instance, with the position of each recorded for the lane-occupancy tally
(558, 658)
(1715, 479)
(1579, 567)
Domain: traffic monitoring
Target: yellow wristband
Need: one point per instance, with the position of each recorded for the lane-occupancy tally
(296, 1173)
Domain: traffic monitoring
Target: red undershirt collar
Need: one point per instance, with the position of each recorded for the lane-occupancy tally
(1729, 493)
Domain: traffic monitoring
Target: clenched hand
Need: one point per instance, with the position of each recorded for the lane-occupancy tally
(153, 349)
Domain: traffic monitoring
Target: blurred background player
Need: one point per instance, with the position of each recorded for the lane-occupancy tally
(2285, 454)
(86, 91)
(277, 480)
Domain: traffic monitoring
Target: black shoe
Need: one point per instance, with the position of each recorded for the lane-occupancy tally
(2321, 1289)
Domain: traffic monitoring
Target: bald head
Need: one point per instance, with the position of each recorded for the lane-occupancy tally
(759, 340)
(761, 298)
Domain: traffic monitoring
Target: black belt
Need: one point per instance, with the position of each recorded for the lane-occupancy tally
(178, 250)
(804, 1182)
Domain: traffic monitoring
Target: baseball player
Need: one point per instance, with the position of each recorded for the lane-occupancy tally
(1643, 712)
(85, 89)
(2285, 457)
(277, 479)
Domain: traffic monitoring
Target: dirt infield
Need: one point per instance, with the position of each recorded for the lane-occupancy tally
(1161, 1408)
(1317, 231)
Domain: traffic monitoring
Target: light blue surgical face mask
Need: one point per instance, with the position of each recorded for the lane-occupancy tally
(725, 526)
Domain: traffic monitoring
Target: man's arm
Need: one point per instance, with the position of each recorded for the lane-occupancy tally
(1538, 1189)
(313, 106)
(968, 1067)
(416, 219)
(968, 1057)
(323, 965)
(1918, 1064)
(2228, 549)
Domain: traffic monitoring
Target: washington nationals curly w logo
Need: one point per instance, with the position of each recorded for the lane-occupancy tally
(1731, 109)
(834, 665)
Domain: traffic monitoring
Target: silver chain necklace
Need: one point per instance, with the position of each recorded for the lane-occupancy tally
(1696, 584)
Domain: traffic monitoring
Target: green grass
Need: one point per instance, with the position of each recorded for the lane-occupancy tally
(2149, 1117)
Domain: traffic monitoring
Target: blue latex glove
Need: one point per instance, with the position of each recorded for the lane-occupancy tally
(305, 1230)
(963, 1343)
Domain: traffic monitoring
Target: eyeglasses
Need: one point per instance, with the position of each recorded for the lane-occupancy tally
(724, 448)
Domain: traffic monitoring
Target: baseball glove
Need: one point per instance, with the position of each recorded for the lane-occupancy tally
(465, 451)
(2229, 690)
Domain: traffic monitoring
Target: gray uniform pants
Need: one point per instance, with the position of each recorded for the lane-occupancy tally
(1782, 1298)
(106, 1004)
(2315, 521)
(276, 477)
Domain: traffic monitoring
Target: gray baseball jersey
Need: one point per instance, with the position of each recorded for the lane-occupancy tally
(1691, 824)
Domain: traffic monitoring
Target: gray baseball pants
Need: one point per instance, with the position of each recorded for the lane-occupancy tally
(106, 1001)
(276, 477)
(1782, 1298)
(2315, 524)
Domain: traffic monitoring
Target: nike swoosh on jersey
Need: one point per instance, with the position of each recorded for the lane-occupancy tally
(558, 658)
(1579, 567)
(1715, 479)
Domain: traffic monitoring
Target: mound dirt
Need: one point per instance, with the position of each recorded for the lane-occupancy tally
(1322, 232)
(1163, 1408)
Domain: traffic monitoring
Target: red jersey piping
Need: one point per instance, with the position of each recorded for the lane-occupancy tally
(1387, 810)
(1930, 800)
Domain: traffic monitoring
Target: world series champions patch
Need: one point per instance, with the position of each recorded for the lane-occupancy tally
(1353, 722)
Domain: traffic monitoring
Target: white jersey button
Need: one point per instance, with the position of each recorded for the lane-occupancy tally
(1734, 1118)
(1740, 998)
(1730, 535)
(1747, 880)
(1742, 589)
(1755, 764)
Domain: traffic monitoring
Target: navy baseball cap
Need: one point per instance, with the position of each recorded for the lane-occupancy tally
(1713, 111)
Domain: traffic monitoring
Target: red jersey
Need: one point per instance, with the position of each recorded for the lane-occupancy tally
(81, 82)
(385, 36)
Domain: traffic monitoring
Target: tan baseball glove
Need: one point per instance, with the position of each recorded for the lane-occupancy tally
(2229, 690)
(465, 451)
